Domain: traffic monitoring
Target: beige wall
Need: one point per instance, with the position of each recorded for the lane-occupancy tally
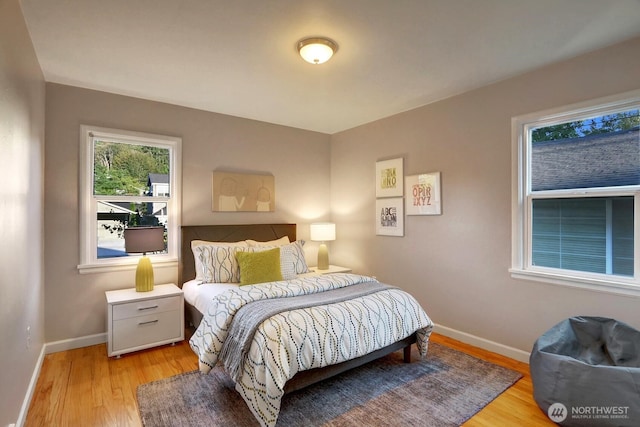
(22, 95)
(456, 264)
(299, 160)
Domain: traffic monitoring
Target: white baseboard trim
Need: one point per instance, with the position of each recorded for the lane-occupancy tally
(22, 416)
(73, 343)
(513, 353)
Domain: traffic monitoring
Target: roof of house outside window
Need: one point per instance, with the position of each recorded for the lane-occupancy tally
(600, 160)
(157, 178)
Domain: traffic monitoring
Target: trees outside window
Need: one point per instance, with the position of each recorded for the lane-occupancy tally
(128, 179)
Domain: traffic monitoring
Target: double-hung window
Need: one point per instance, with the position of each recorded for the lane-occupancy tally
(127, 179)
(576, 195)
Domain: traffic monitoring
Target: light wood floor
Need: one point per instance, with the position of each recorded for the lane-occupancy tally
(84, 387)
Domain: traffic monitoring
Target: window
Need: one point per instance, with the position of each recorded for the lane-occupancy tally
(576, 191)
(127, 179)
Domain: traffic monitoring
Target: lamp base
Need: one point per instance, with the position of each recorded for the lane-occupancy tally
(144, 275)
(323, 257)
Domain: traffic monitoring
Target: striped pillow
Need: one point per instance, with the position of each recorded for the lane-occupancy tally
(292, 261)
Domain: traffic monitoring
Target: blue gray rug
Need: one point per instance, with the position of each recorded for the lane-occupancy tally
(445, 389)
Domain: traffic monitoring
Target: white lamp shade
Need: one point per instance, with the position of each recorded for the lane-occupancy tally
(323, 231)
(143, 239)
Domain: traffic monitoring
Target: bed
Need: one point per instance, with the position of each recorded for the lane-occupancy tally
(358, 320)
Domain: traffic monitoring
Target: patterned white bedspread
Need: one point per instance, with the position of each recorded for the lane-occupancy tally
(302, 339)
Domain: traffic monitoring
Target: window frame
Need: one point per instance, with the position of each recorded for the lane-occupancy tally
(521, 199)
(89, 261)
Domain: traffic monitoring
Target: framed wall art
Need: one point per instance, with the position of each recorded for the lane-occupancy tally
(389, 178)
(423, 194)
(390, 217)
(243, 192)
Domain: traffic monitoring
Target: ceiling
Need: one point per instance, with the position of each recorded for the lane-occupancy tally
(238, 57)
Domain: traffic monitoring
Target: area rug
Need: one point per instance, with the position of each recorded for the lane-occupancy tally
(445, 389)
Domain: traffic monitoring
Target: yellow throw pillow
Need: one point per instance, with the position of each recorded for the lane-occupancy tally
(259, 267)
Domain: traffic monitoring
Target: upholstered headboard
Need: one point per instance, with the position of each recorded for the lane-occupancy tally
(225, 233)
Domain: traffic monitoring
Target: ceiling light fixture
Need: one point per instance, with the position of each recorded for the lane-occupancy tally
(317, 50)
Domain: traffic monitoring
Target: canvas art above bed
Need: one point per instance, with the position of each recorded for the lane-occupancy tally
(243, 192)
(268, 320)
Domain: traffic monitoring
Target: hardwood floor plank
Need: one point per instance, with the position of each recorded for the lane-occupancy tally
(48, 404)
(83, 387)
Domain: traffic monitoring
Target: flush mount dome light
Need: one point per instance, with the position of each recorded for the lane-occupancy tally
(317, 50)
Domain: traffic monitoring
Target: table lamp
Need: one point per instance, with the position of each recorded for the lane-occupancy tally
(143, 240)
(323, 232)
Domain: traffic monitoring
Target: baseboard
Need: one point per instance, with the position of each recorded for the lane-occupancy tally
(514, 353)
(73, 343)
(22, 416)
(511, 352)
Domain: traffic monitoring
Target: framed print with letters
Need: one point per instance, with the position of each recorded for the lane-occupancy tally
(390, 217)
(389, 178)
(423, 194)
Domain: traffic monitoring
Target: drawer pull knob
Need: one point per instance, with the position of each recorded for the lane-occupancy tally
(148, 308)
(147, 323)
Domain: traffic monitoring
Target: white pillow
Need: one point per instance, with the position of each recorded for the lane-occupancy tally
(242, 243)
(284, 240)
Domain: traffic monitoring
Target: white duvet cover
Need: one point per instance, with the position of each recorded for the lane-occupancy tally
(303, 339)
(200, 294)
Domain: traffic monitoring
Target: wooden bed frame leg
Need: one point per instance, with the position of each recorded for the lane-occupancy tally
(407, 354)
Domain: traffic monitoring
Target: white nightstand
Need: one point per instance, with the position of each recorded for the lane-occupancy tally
(139, 320)
(332, 269)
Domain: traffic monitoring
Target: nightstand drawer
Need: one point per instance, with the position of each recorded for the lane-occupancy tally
(146, 307)
(139, 320)
(143, 330)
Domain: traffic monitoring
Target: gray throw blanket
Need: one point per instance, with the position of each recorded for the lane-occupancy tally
(247, 320)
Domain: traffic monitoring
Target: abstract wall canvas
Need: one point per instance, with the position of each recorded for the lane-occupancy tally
(242, 192)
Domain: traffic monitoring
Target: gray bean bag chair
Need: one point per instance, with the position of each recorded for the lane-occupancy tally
(586, 372)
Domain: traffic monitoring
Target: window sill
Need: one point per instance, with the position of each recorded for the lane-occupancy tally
(615, 287)
(107, 268)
